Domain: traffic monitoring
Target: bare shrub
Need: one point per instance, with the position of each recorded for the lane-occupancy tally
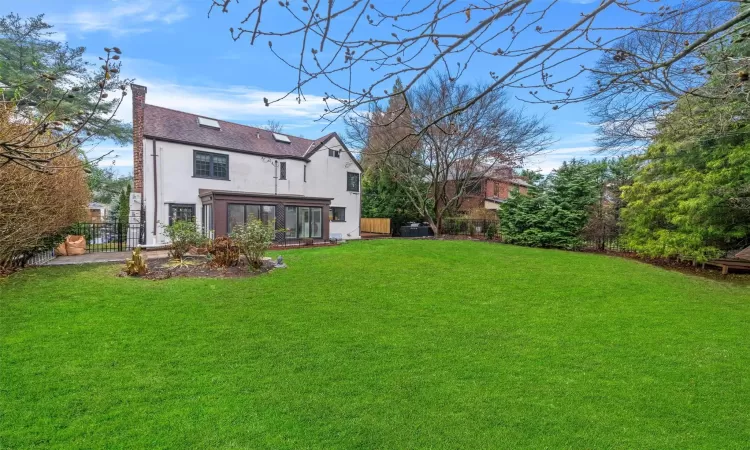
(35, 206)
(224, 252)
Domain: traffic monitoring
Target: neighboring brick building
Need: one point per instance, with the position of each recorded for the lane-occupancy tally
(492, 189)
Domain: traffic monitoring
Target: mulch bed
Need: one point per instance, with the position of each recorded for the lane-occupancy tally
(198, 267)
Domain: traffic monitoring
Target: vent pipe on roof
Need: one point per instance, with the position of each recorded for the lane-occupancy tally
(257, 134)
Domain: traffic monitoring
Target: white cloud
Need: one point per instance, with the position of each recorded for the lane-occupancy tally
(551, 159)
(123, 18)
(231, 103)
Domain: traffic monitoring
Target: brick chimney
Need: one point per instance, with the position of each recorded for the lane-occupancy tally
(139, 103)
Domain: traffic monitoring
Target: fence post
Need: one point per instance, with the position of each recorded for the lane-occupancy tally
(119, 235)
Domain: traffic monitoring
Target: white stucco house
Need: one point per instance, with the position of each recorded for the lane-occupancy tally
(221, 174)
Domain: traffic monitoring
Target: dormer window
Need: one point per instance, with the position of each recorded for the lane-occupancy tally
(209, 123)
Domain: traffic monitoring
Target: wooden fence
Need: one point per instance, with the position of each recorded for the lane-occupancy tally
(371, 225)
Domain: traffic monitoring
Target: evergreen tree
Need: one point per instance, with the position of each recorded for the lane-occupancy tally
(691, 198)
(123, 213)
(555, 213)
(690, 201)
(28, 54)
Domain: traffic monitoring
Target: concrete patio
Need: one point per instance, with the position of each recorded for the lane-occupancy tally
(96, 258)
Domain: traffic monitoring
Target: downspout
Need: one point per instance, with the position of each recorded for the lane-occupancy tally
(156, 215)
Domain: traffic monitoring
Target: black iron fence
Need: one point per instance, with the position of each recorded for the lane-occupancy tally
(459, 226)
(608, 245)
(282, 241)
(110, 236)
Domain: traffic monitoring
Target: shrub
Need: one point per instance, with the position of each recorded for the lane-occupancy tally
(253, 240)
(36, 207)
(224, 252)
(491, 231)
(183, 234)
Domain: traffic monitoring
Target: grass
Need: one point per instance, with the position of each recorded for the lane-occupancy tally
(380, 344)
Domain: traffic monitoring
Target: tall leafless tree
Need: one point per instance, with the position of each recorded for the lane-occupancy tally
(451, 155)
(630, 110)
(274, 126)
(359, 47)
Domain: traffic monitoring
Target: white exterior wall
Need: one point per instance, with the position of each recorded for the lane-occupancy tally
(326, 177)
(329, 180)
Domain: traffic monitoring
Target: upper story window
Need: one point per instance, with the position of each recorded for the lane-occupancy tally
(282, 171)
(352, 182)
(496, 189)
(334, 153)
(210, 165)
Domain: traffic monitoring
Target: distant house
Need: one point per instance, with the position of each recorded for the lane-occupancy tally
(222, 174)
(491, 189)
(97, 212)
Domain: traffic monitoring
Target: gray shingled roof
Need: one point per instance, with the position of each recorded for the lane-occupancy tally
(177, 126)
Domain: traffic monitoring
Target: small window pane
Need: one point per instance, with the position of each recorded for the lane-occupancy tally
(268, 214)
(236, 216)
(220, 166)
(282, 171)
(202, 165)
(317, 222)
(334, 153)
(252, 212)
(303, 222)
(291, 221)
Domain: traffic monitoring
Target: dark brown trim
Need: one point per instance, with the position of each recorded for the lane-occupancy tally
(221, 200)
(227, 149)
(253, 195)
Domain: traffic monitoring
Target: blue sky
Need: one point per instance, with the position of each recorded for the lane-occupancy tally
(189, 62)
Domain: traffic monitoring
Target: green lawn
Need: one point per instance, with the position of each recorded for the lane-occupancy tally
(382, 344)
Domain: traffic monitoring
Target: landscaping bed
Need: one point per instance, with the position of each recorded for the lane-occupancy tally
(199, 267)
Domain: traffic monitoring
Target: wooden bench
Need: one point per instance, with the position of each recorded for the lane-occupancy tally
(741, 260)
(727, 264)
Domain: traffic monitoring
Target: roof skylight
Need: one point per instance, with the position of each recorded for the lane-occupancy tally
(281, 138)
(208, 122)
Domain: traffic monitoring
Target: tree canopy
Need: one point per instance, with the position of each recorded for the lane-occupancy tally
(50, 85)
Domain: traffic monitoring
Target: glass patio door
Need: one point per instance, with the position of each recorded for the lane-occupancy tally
(303, 222)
